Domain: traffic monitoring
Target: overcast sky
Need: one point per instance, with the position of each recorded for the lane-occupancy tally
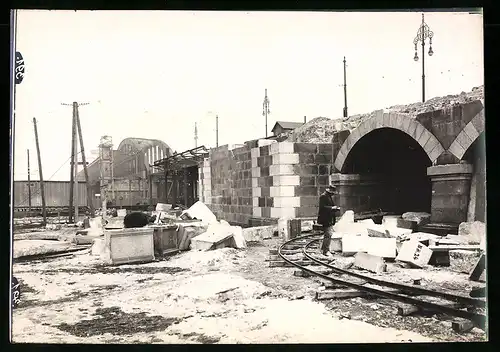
(154, 74)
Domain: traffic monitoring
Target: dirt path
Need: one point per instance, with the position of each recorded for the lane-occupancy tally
(222, 296)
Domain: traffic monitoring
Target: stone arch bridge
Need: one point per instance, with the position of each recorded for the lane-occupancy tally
(432, 162)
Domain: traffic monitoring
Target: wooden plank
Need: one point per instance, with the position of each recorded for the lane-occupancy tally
(277, 257)
(285, 251)
(346, 293)
(302, 273)
(452, 248)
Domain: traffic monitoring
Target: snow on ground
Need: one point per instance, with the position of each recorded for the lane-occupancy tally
(220, 296)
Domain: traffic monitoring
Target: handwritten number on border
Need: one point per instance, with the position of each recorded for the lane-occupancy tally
(19, 68)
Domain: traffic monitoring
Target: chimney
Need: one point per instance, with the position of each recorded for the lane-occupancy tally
(305, 120)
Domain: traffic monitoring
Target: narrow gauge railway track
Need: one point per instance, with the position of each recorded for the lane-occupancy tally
(478, 319)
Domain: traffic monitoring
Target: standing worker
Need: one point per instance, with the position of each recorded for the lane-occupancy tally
(326, 217)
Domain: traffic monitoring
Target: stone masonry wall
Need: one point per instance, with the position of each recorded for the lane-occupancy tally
(226, 185)
(287, 178)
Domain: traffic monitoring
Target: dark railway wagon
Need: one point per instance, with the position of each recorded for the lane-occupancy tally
(56, 194)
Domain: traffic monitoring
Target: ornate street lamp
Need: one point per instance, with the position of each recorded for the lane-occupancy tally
(423, 33)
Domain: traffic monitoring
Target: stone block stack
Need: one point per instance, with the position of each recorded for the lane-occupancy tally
(226, 185)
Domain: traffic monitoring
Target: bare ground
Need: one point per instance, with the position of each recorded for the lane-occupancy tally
(221, 296)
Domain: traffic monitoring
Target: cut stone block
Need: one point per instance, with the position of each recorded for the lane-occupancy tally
(97, 247)
(390, 221)
(376, 230)
(422, 237)
(282, 191)
(367, 222)
(239, 240)
(286, 180)
(414, 253)
(418, 217)
(264, 142)
(275, 170)
(282, 212)
(281, 148)
(336, 243)
(283, 228)
(255, 171)
(255, 201)
(406, 224)
(286, 202)
(255, 153)
(352, 244)
(354, 228)
(285, 159)
(463, 261)
(257, 211)
(201, 212)
(187, 232)
(307, 225)
(130, 245)
(381, 247)
(215, 235)
(348, 216)
(259, 233)
(475, 231)
(397, 232)
(370, 262)
(440, 259)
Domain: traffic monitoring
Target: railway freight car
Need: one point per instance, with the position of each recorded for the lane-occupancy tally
(56, 195)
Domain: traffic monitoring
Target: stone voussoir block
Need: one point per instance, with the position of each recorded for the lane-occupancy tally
(464, 140)
(424, 138)
(471, 131)
(456, 149)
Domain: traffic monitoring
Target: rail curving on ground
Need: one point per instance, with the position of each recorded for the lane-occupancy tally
(478, 319)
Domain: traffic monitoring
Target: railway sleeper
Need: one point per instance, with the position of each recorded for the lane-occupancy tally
(479, 320)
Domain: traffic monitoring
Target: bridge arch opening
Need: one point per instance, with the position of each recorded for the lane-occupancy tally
(397, 164)
(476, 156)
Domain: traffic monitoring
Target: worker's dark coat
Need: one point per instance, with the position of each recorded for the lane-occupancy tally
(326, 215)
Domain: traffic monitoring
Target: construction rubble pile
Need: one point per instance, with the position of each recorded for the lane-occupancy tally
(321, 129)
(396, 240)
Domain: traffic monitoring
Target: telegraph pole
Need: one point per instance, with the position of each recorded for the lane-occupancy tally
(217, 131)
(75, 178)
(84, 161)
(42, 191)
(29, 184)
(195, 135)
(345, 90)
(265, 108)
(72, 164)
